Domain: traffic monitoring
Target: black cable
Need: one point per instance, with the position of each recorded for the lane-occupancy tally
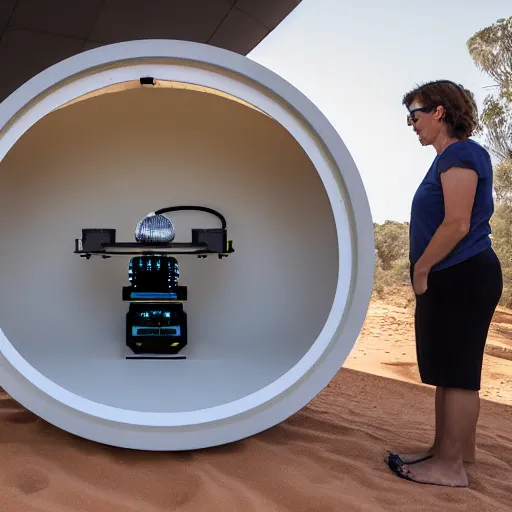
(198, 208)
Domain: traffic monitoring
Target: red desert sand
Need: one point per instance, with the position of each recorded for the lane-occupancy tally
(328, 457)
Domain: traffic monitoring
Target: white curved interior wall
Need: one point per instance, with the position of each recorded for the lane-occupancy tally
(107, 162)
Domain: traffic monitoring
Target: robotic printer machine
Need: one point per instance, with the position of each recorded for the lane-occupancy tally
(156, 323)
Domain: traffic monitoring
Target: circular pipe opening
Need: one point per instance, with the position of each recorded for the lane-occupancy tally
(109, 160)
(262, 323)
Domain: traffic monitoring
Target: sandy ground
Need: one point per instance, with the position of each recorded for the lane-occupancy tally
(386, 347)
(327, 457)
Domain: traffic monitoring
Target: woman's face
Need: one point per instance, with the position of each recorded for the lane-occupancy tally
(425, 124)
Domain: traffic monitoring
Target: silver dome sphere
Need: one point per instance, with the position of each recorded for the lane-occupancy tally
(154, 229)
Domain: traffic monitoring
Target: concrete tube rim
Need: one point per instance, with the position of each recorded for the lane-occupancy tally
(349, 321)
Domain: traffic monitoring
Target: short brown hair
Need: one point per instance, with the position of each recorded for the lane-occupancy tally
(461, 111)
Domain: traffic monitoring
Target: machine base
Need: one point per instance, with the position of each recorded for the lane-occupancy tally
(130, 354)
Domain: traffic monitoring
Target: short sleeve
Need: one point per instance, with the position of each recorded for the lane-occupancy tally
(462, 155)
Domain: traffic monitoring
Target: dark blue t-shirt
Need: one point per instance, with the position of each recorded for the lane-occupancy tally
(427, 211)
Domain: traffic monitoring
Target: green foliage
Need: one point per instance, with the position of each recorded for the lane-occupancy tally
(491, 50)
(496, 123)
(391, 256)
(501, 224)
(503, 182)
(391, 242)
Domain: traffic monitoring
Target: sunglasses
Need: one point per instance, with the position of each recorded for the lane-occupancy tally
(412, 118)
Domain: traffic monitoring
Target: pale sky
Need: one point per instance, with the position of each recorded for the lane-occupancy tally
(355, 60)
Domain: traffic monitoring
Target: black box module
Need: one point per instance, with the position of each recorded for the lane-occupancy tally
(214, 239)
(93, 239)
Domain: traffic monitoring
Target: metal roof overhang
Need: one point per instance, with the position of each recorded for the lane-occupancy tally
(35, 34)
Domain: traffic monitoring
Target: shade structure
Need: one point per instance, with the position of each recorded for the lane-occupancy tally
(269, 326)
(35, 34)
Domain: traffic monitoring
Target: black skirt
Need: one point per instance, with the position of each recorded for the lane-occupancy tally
(452, 320)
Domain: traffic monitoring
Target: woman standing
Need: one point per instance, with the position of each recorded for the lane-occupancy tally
(455, 274)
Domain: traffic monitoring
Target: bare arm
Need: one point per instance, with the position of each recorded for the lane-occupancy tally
(459, 187)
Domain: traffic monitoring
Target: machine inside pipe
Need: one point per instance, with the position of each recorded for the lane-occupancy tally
(156, 322)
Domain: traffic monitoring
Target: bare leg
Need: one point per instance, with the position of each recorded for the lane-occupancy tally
(461, 410)
(469, 449)
(469, 445)
(411, 458)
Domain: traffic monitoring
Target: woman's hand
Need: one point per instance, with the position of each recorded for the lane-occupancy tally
(420, 281)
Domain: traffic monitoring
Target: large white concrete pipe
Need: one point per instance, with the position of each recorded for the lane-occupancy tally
(83, 145)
